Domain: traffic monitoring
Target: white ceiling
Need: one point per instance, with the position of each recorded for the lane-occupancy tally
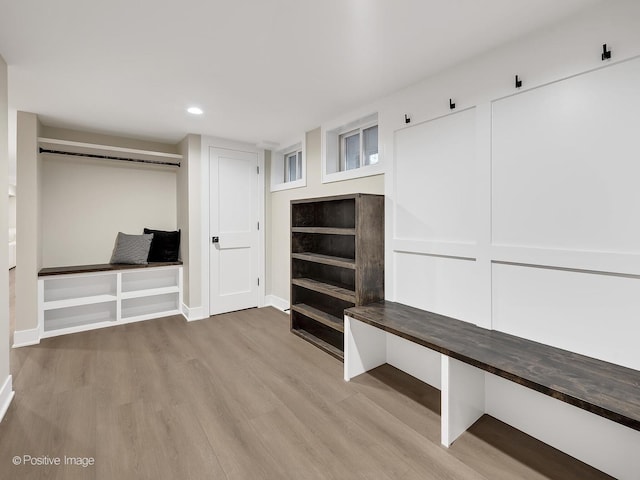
(262, 70)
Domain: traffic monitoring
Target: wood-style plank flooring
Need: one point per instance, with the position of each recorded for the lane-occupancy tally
(237, 396)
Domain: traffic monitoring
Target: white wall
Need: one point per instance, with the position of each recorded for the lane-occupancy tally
(516, 211)
(279, 218)
(86, 202)
(189, 218)
(6, 389)
(28, 231)
(479, 195)
(12, 211)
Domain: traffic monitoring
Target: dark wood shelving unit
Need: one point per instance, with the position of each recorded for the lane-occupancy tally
(337, 262)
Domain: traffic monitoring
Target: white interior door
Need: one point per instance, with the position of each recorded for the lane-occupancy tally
(234, 240)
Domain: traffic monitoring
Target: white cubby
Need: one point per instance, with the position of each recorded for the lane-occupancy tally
(74, 287)
(149, 305)
(69, 303)
(149, 279)
(70, 318)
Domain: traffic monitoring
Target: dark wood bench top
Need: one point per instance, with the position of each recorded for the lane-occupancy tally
(103, 267)
(603, 388)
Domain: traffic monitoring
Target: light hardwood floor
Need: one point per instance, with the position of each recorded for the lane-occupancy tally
(238, 396)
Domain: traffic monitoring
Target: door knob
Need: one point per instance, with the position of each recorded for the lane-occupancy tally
(215, 239)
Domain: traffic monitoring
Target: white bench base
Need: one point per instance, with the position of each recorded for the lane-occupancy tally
(467, 393)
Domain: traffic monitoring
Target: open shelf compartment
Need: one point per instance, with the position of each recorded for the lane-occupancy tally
(76, 287)
(149, 279)
(150, 306)
(79, 316)
(328, 339)
(337, 212)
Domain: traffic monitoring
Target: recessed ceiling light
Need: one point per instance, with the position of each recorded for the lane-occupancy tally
(195, 110)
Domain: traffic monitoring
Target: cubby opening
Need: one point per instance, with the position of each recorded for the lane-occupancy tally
(326, 338)
(331, 275)
(331, 305)
(79, 287)
(343, 246)
(82, 315)
(149, 279)
(335, 213)
(142, 306)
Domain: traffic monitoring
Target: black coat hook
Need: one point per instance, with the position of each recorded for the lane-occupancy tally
(451, 105)
(606, 54)
(518, 82)
(407, 119)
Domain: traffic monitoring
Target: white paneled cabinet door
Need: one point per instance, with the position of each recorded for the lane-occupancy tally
(234, 240)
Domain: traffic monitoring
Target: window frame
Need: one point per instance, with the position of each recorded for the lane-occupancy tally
(297, 154)
(280, 168)
(333, 151)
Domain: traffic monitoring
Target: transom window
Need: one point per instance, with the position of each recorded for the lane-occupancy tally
(293, 166)
(288, 169)
(358, 148)
(350, 150)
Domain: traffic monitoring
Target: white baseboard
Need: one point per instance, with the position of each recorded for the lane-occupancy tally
(276, 302)
(24, 338)
(193, 314)
(6, 395)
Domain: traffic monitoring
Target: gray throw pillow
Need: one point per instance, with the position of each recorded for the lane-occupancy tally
(131, 249)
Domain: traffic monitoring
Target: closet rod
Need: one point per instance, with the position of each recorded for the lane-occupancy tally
(108, 157)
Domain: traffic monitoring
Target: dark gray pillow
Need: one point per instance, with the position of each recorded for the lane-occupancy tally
(131, 249)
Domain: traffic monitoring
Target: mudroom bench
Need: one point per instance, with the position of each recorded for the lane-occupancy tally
(455, 357)
(85, 297)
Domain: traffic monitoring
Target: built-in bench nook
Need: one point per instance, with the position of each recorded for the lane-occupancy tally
(462, 352)
(85, 297)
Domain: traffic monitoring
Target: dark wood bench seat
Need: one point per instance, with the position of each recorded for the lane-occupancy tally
(603, 388)
(103, 267)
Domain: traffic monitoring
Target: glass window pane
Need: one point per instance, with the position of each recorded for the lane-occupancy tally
(299, 164)
(352, 152)
(292, 167)
(370, 140)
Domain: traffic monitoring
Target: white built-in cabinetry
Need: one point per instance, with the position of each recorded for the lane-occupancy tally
(69, 303)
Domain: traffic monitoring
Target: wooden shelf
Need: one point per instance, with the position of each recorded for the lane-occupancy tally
(318, 342)
(337, 261)
(324, 230)
(326, 259)
(92, 148)
(326, 289)
(319, 316)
